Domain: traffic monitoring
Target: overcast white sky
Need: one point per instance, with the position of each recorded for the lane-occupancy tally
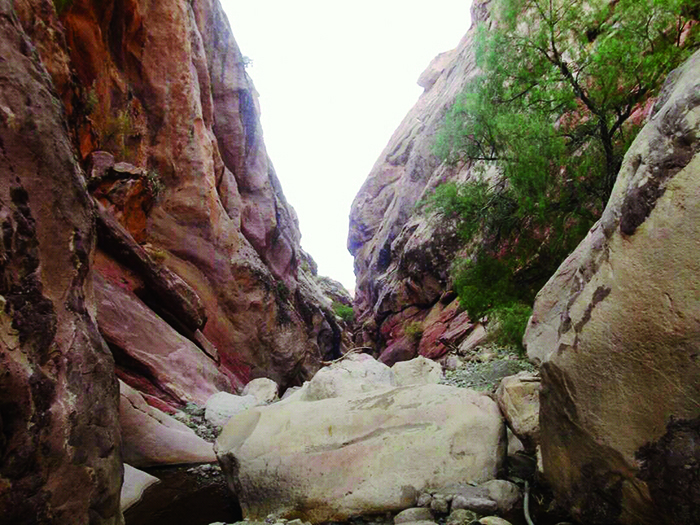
(335, 80)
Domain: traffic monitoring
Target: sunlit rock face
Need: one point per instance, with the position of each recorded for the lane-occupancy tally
(616, 331)
(402, 260)
(60, 459)
(162, 86)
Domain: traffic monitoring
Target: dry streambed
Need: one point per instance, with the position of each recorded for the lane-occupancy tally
(365, 444)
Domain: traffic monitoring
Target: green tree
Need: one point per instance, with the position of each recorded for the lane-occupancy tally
(546, 124)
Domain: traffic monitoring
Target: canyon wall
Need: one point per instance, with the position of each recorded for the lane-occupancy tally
(165, 120)
(60, 459)
(146, 238)
(402, 258)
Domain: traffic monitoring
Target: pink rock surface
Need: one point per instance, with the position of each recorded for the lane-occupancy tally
(178, 370)
(151, 437)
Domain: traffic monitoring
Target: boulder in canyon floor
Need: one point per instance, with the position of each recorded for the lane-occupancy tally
(418, 371)
(360, 454)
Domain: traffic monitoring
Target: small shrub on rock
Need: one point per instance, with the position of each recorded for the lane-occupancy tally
(345, 312)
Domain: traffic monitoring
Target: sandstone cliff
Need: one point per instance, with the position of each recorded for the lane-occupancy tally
(402, 259)
(204, 236)
(146, 237)
(60, 459)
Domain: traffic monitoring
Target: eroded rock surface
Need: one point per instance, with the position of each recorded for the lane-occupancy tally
(402, 259)
(151, 437)
(60, 460)
(165, 121)
(366, 453)
(617, 333)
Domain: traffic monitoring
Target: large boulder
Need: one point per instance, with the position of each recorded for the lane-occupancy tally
(60, 461)
(418, 371)
(519, 401)
(135, 484)
(617, 333)
(151, 437)
(354, 374)
(173, 367)
(264, 389)
(367, 453)
(222, 406)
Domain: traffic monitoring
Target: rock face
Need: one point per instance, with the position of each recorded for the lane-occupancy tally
(165, 121)
(402, 260)
(366, 453)
(60, 460)
(617, 333)
(151, 437)
(518, 399)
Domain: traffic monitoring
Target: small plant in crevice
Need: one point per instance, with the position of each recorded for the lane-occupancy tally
(414, 331)
(154, 184)
(118, 131)
(90, 99)
(345, 312)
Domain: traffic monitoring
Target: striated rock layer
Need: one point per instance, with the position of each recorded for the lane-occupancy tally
(617, 334)
(137, 205)
(402, 259)
(165, 119)
(60, 460)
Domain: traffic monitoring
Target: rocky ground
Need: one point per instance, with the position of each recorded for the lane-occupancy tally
(484, 368)
(204, 486)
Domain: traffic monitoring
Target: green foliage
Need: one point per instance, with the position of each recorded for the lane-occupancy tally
(154, 184)
(413, 330)
(545, 126)
(91, 99)
(119, 130)
(62, 5)
(509, 323)
(345, 312)
(282, 292)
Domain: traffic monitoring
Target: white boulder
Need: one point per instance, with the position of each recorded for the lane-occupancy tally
(222, 406)
(334, 458)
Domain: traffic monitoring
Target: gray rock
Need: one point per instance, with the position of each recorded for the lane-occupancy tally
(418, 371)
(222, 406)
(413, 514)
(440, 504)
(264, 389)
(424, 499)
(461, 517)
(493, 520)
(477, 503)
(505, 493)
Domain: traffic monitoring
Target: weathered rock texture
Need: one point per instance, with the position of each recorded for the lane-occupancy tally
(617, 333)
(165, 120)
(137, 117)
(151, 437)
(402, 260)
(369, 453)
(60, 460)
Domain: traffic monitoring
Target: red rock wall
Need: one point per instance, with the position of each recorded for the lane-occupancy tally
(402, 259)
(162, 86)
(60, 460)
